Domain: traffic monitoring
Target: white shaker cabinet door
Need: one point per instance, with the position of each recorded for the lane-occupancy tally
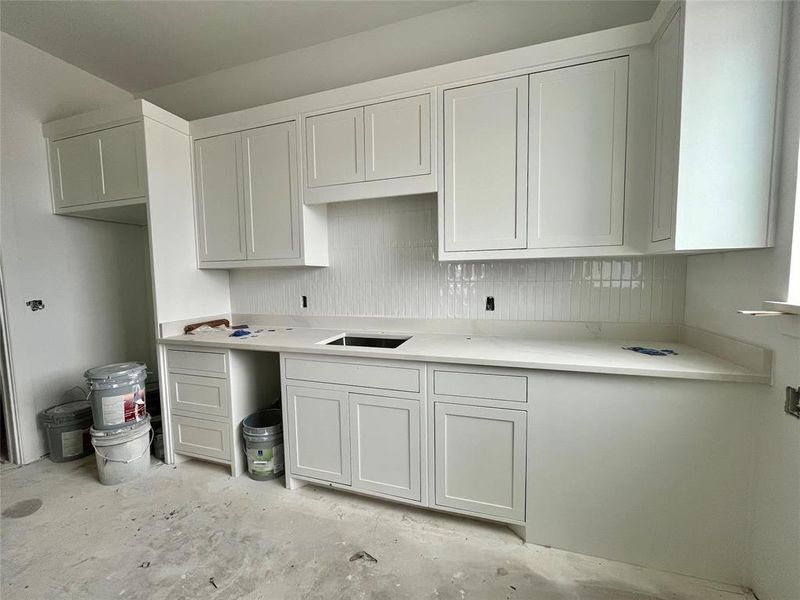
(335, 148)
(385, 434)
(270, 192)
(220, 205)
(668, 84)
(122, 166)
(398, 138)
(480, 459)
(319, 434)
(485, 165)
(73, 168)
(576, 174)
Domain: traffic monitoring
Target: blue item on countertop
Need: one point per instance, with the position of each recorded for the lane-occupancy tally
(240, 333)
(651, 351)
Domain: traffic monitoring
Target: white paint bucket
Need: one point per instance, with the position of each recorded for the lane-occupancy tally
(117, 394)
(122, 454)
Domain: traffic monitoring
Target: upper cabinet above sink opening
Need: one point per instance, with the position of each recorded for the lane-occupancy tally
(381, 149)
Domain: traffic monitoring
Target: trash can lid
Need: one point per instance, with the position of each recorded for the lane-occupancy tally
(127, 370)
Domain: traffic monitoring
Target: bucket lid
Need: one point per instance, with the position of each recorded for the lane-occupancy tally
(264, 422)
(130, 427)
(127, 370)
(70, 411)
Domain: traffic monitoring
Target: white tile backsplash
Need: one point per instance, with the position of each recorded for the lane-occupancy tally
(383, 264)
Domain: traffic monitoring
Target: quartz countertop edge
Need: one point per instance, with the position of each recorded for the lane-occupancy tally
(583, 356)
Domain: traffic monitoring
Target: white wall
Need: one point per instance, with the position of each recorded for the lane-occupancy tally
(719, 284)
(383, 264)
(88, 273)
(466, 31)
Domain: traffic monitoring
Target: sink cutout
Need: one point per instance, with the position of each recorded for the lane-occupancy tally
(369, 341)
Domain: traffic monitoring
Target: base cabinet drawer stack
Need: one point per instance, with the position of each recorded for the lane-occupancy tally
(448, 437)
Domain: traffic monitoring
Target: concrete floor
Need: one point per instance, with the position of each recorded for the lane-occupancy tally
(193, 532)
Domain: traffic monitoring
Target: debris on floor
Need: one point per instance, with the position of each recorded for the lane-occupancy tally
(212, 582)
(363, 555)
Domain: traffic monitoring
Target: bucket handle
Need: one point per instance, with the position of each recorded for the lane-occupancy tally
(130, 460)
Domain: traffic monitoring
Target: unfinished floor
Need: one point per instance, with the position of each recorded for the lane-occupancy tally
(193, 532)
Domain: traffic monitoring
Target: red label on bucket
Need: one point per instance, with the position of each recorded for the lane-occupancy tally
(124, 408)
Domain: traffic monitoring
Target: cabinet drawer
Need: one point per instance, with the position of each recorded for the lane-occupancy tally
(203, 395)
(356, 374)
(490, 386)
(214, 364)
(202, 438)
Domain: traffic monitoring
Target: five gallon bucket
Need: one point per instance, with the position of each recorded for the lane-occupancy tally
(67, 426)
(123, 454)
(263, 442)
(117, 394)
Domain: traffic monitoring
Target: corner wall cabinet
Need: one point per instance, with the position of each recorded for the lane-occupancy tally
(249, 212)
(379, 149)
(98, 170)
(715, 127)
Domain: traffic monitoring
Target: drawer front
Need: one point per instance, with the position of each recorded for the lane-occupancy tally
(202, 395)
(214, 364)
(356, 374)
(513, 388)
(201, 437)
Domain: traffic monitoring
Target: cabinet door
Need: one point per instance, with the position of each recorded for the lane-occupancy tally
(578, 123)
(199, 437)
(668, 82)
(398, 138)
(480, 459)
(270, 191)
(220, 206)
(121, 156)
(319, 434)
(385, 434)
(73, 170)
(335, 148)
(485, 165)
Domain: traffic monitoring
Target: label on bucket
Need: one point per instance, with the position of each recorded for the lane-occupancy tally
(118, 410)
(71, 443)
(263, 461)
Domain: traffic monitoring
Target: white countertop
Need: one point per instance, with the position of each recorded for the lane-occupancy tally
(588, 356)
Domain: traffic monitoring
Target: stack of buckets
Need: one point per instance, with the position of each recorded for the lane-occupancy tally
(121, 434)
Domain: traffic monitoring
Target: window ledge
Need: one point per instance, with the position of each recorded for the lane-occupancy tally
(783, 307)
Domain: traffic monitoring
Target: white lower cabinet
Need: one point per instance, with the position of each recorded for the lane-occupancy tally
(480, 459)
(201, 437)
(318, 433)
(385, 435)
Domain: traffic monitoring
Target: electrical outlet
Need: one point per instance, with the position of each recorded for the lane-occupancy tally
(489, 302)
(305, 301)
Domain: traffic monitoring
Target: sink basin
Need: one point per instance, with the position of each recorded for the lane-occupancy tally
(369, 341)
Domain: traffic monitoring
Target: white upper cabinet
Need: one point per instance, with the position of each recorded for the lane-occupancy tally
(220, 202)
(249, 212)
(270, 192)
(715, 127)
(485, 166)
(398, 138)
(335, 148)
(668, 64)
(377, 150)
(74, 172)
(102, 166)
(576, 171)
(122, 165)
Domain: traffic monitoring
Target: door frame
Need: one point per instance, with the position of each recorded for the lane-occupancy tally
(9, 396)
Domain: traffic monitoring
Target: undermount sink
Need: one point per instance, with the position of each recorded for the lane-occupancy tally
(369, 341)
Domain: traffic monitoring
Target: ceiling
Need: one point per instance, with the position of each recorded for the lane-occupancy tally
(139, 45)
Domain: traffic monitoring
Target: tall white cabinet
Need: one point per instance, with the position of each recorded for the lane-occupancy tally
(249, 211)
(715, 127)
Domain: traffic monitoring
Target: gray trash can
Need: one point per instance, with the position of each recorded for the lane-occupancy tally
(263, 443)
